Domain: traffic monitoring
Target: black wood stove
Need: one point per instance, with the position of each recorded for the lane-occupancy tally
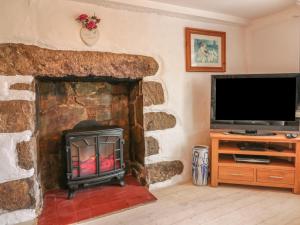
(94, 154)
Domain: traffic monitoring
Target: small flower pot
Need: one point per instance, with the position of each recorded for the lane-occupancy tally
(89, 37)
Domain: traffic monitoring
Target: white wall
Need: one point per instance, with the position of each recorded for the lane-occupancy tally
(273, 43)
(51, 23)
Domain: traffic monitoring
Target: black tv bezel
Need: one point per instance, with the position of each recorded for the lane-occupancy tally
(252, 125)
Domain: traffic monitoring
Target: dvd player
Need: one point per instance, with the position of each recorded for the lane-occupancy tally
(251, 159)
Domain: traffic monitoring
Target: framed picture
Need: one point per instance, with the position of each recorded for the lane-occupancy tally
(205, 50)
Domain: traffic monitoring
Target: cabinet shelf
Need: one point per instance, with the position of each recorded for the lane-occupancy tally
(275, 163)
(232, 149)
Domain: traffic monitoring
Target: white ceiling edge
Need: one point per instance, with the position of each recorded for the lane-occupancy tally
(168, 9)
(290, 13)
(184, 10)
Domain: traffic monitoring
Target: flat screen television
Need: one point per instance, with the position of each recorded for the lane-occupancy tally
(248, 103)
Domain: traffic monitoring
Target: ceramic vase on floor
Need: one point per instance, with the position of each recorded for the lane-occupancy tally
(200, 165)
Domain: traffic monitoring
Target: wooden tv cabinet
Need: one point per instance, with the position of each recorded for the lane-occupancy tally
(283, 171)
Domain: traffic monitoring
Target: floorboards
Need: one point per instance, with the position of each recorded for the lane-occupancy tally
(187, 204)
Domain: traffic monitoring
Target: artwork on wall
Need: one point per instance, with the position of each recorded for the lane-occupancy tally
(205, 50)
(89, 31)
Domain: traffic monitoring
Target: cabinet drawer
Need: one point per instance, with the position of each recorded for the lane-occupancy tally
(236, 173)
(276, 176)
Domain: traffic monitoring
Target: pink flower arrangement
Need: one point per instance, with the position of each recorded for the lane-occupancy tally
(88, 22)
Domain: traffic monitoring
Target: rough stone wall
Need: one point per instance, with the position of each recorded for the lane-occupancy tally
(64, 104)
(137, 140)
(153, 94)
(136, 123)
(18, 181)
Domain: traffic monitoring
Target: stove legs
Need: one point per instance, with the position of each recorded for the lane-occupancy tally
(122, 182)
(71, 192)
(117, 178)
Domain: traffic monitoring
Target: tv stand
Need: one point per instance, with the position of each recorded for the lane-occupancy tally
(252, 133)
(283, 170)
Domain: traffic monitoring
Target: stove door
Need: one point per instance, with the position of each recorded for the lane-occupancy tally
(110, 151)
(84, 156)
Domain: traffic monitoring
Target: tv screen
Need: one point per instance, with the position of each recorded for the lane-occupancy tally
(242, 99)
(256, 99)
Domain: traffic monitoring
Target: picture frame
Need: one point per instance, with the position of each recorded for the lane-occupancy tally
(205, 50)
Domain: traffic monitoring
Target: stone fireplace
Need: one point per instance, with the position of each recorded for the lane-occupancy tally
(43, 92)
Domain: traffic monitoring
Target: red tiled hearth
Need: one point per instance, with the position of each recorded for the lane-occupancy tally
(92, 202)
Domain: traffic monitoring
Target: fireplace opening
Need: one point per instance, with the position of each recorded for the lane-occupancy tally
(67, 104)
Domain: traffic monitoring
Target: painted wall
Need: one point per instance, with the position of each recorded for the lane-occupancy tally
(273, 43)
(51, 24)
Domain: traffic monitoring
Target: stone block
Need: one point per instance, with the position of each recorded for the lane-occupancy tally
(28, 59)
(162, 171)
(152, 146)
(158, 121)
(16, 116)
(139, 112)
(25, 154)
(23, 86)
(153, 93)
(16, 195)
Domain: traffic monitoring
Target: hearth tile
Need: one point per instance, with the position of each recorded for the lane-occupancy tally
(66, 203)
(97, 211)
(67, 219)
(61, 194)
(84, 214)
(49, 203)
(82, 204)
(101, 195)
(97, 201)
(91, 202)
(61, 199)
(119, 204)
(130, 180)
(66, 210)
(50, 196)
(83, 193)
(48, 221)
(134, 201)
(49, 212)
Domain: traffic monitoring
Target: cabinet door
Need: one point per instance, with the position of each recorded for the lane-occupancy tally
(275, 176)
(83, 157)
(110, 153)
(236, 173)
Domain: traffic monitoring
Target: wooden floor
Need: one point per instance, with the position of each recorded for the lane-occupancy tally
(225, 205)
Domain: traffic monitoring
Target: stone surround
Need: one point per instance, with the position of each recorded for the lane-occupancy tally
(20, 65)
